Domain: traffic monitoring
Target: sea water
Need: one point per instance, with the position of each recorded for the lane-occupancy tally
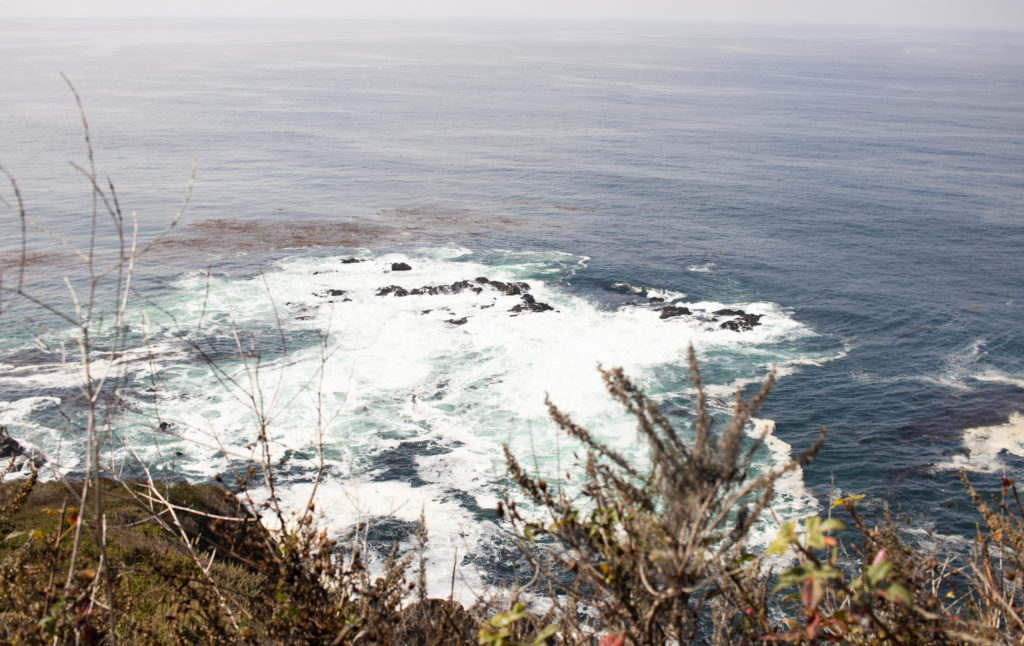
(859, 190)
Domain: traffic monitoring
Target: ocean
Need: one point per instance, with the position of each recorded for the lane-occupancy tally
(860, 190)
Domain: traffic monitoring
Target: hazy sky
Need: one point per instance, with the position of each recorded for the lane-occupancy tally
(970, 14)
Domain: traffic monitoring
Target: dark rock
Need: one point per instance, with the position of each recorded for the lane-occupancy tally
(349, 261)
(728, 312)
(426, 311)
(400, 266)
(504, 288)
(392, 289)
(461, 321)
(742, 323)
(510, 289)
(458, 287)
(671, 310)
(454, 288)
(656, 299)
(530, 304)
(330, 292)
(11, 448)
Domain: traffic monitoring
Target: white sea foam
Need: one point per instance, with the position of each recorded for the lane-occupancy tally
(965, 366)
(792, 499)
(985, 444)
(992, 375)
(788, 367)
(452, 533)
(702, 269)
(409, 404)
(961, 367)
(37, 439)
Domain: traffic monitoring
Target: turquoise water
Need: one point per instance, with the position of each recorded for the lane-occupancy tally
(860, 190)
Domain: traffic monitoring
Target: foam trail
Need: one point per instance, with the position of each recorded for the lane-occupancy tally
(791, 494)
(999, 377)
(985, 444)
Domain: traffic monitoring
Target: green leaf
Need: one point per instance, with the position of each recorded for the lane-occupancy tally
(793, 576)
(827, 572)
(542, 636)
(878, 573)
(781, 543)
(832, 525)
(816, 540)
(897, 592)
(506, 618)
(800, 573)
(852, 498)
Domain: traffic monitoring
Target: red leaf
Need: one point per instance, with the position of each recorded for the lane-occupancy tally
(613, 640)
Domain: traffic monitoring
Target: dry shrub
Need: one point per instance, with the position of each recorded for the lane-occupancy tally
(649, 552)
(996, 603)
(662, 556)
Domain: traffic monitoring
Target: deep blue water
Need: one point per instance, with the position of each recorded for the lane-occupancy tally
(869, 183)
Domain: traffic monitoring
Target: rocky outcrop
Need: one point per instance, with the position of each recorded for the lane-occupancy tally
(670, 311)
(327, 293)
(10, 448)
(392, 289)
(530, 304)
(454, 288)
(742, 323)
(475, 286)
(400, 266)
(509, 289)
